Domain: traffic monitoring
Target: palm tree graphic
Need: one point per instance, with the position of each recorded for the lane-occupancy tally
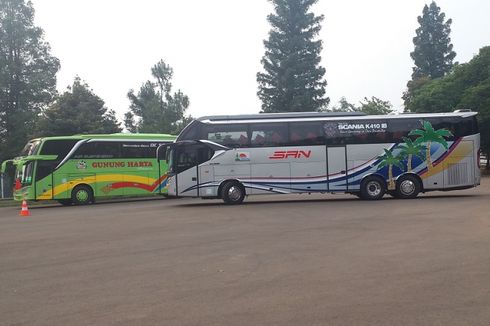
(410, 149)
(428, 135)
(387, 159)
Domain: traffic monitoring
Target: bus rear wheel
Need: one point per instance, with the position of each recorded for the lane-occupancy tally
(373, 188)
(407, 187)
(82, 195)
(233, 193)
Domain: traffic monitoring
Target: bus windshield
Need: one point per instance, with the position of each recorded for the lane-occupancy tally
(30, 148)
(24, 174)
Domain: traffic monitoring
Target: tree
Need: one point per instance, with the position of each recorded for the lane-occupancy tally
(375, 106)
(155, 108)
(467, 87)
(368, 106)
(433, 52)
(27, 74)
(77, 111)
(292, 79)
(344, 106)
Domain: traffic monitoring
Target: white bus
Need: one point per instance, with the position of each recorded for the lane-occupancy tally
(230, 157)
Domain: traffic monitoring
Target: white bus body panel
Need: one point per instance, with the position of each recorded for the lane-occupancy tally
(304, 169)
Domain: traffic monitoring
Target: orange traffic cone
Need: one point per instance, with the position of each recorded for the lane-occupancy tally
(24, 211)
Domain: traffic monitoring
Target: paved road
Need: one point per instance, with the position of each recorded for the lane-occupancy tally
(291, 260)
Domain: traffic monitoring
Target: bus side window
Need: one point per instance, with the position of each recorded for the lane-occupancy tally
(269, 134)
(305, 133)
(137, 150)
(228, 135)
(98, 150)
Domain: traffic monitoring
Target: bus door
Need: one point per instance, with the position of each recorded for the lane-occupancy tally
(45, 179)
(186, 159)
(337, 168)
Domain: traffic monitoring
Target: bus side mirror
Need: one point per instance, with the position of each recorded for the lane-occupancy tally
(162, 153)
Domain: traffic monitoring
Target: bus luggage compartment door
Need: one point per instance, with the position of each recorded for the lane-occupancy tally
(337, 168)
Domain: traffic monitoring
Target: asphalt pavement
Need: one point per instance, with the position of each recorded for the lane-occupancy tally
(275, 260)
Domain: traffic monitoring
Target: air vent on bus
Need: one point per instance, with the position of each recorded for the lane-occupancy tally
(457, 174)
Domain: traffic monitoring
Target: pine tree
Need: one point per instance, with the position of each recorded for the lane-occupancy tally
(154, 108)
(293, 78)
(433, 52)
(27, 75)
(78, 111)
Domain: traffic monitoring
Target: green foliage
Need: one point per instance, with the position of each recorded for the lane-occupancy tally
(293, 78)
(27, 75)
(373, 105)
(433, 52)
(344, 106)
(155, 109)
(77, 111)
(467, 87)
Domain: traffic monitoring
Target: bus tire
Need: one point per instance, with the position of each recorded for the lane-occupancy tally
(407, 187)
(373, 188)
(233, 193)
(82, 195)
(65, 202)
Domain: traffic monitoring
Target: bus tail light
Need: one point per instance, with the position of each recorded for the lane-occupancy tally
(478, 157)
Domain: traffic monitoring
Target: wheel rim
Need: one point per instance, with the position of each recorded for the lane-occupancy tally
(373, 188)
(407, 187)
(234, 193)
(82, 196)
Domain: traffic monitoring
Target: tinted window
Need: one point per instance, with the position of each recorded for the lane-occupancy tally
(44, 168)
(25, 175)
(190, 156)
(399, 128)
(459, 127)
(138, 150)
(305, 133)
(58, 147)
(269, 134)
(193, 131)
(234, 135)
(30, 148)
(98, 150)
(356, 132)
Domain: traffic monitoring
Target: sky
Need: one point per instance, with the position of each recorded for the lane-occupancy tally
(215, 46)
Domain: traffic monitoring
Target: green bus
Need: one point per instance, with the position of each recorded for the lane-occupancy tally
(81, 168)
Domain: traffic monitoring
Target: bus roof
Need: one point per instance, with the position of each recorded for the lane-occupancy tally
(283, 115)
(111, 136)
(312, 116)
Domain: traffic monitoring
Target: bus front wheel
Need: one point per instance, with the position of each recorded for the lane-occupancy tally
(82, 195)
(233, 193)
